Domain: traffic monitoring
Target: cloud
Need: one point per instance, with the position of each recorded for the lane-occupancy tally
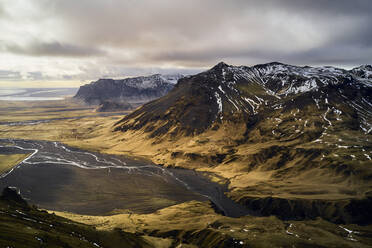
(57, 49)
(10, 75)
(35, 75)
(196, 32)
(2, 12)
(94, 38)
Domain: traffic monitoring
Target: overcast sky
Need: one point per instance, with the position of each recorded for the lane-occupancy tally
(82, 40)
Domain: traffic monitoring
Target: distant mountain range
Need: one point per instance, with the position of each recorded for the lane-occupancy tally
(282, 136)
(128, 90)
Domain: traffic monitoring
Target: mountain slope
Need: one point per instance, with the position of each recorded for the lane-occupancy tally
(137, 89)
(24, 226)
(268, 131)
(227, 90)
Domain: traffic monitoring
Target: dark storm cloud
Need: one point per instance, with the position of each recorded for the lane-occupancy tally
(199, 32)
(116, 37)
(339, 7)
(52, 49)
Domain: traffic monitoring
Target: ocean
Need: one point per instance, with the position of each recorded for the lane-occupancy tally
(36, 94)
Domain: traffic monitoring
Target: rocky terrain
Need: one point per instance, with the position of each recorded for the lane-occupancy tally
(281, 136)
(132, 90)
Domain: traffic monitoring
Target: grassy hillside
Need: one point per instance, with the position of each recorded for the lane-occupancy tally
(22, 225)
(196, 223)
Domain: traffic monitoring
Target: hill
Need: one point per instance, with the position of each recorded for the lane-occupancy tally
(23, 225)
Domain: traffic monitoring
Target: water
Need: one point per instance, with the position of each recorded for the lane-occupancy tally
(35, 94)
(57, 177)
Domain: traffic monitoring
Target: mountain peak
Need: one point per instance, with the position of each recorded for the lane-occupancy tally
(366, 67)
(220, 66)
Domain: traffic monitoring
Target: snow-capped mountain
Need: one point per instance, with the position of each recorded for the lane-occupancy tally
(136, 89)
(283, 136)
(327, 106)
(224, 90)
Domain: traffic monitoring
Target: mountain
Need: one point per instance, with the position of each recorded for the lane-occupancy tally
(280, 136)
(197, 102)
(136, 89)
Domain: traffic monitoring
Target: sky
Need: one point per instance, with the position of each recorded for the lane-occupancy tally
(70, 42)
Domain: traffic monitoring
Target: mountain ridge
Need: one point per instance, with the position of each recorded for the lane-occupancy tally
(134, 89)
(270, 131)
(269, 81)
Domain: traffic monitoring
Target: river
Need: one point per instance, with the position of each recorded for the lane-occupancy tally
(57, 177)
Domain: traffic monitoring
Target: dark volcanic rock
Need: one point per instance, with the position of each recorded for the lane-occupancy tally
(12, 195)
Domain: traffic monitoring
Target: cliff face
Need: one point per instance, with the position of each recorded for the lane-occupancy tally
(137, 89)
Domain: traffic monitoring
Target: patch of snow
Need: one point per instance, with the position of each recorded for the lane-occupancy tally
(232, 103)
(325, 117)
(316, 102)
(350, 233)
(252, 103)
(219, 103)
(220, 88)
(337, 112)
(367, 156)
(39, 239)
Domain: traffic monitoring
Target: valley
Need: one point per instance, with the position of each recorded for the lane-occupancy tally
(225, 159)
